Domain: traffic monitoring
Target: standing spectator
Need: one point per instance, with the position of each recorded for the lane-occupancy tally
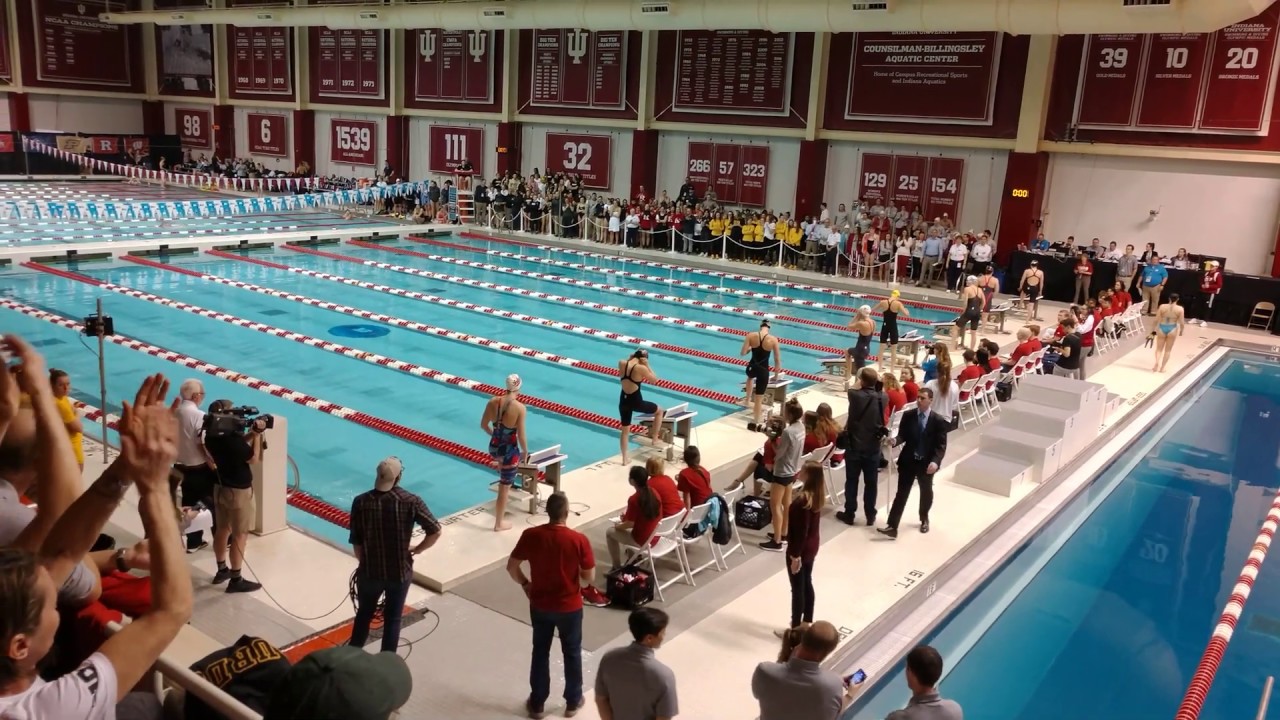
(1154, 277)
(957, 254)
(786, 466)
(235, 451)
(865, 429)
(800, 689)
(923, 435)
(1084, 278)
(560, 564)
(382, 523)
(1126, 270)
(61, 383)
(631, 684)
(1210, 286)
(924, 669)
(930, 252)
(803, 518)
(194, 461)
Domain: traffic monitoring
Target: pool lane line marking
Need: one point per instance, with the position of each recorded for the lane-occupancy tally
(617, 289)
(299, 498)
(654, 279)
(372, 358)
(1207, 668)
(550, 297)
(704, 271)
(408, 434)
(433, 330)
(503, 314)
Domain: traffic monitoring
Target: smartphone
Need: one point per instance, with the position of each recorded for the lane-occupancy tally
(857, 678)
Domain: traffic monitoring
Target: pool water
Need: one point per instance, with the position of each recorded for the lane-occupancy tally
(1110, 619)
(336, 458)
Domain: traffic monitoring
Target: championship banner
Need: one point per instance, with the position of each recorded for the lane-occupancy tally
(210, 182)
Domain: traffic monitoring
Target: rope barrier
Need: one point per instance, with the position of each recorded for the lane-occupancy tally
(604, 287)
(364, 356)
(653, 278)
(434, 330)
(510, 315)
(298, 498)
(1207, 669)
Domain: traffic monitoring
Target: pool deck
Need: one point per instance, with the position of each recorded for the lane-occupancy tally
(720, 630)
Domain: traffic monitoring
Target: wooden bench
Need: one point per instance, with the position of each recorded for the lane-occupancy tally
(548, 463)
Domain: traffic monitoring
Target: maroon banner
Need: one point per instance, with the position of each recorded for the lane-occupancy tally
(103, 145)
(946, 181)
(184, 59)
(449, 145)
(924, 77)
(6, 143)
(910, 175)
(701, 156)
(353, 142)
(138, 144)
(268, 134)
(194, 127)
(261, 60)
(6, 64)
(74, 46)
(733, 71)
(579, 68)
(726, 173)
(1172, 79)
(347, 63)
(877, 170)
(753, 187)
(585, 155)
(1237, 97)
(1109, 79)
(452, 65)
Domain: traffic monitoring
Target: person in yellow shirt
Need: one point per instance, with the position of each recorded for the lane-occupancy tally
(61, 383)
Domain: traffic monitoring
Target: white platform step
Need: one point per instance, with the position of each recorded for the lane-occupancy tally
(992, 473)
(1043, 452)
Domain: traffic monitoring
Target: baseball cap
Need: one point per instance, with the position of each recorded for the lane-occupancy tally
(388, 472)
(341, 683)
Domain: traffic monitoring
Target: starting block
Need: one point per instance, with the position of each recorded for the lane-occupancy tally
(679, 417)
(832, 365)
(776, 391)
(542, 469)
(947, 332)
(995, 316)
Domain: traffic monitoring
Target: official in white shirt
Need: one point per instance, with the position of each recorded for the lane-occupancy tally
(194, 461)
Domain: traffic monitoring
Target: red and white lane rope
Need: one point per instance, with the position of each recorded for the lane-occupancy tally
(1202, 680)
(408, 434)
(655, 279)
(549, 297)
(510, 315)
(704, 271)
(355, 353)
(298, 498)
(434, 330)
(618, 289)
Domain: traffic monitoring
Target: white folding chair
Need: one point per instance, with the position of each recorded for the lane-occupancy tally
(731, 499)
(668, 541)
(695, 517)
(967, 401)
(830, 464)
(987, 392)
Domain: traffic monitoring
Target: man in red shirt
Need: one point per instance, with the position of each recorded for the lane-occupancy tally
(560, 564)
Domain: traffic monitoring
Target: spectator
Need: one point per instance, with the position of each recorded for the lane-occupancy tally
(194, 461)
(664, 486)
(234, 450)
(639, 520)
(865, 429)
(631, 684)
(1070, 349)
(800, 689)
(560, 564)
(1024, 348)
(1154, 277)
(382, 521)
(1084, 277)
(909, 386)
(341, 683)
(785, 468)
(804, 516)
(61, 383)
(924, 669)
(923, 435)
(791, 638)
(694, 481)
(897, 397)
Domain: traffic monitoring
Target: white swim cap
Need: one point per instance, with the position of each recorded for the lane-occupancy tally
(513, 382)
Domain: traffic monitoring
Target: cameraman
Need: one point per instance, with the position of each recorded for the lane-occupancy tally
(235, 445)
(864, 430)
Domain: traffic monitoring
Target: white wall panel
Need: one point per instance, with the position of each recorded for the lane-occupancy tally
(4, 112)
(1224, 209)
(324, 136)
(484, 160)
(68, 113)
(784, 157)
(983, 185)
(533, 153)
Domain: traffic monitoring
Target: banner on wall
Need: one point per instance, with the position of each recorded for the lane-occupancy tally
(268, 134)
(449, 145)
(579, 69)
(931, 185)
(751, 75)
(6, 143)
(585, 155)
(938, 77)
(739, 174)
(452, 65)
(74, 46)
(72, 144)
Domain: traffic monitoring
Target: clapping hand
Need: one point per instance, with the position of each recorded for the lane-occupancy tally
(149, 436)
(30, 374)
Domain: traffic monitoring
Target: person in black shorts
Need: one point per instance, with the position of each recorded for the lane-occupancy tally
(760, 344)
(974, 302)
(890, 308)
(634, 372)
(856, 356)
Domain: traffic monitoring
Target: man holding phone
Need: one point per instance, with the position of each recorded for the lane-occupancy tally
(800, 689)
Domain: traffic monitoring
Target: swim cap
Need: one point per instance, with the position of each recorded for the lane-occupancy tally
(513, 382)
(864, 310)
(895, 293)
(971, 280)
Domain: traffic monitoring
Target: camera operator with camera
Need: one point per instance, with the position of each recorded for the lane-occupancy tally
(233, 437)
(864, 432)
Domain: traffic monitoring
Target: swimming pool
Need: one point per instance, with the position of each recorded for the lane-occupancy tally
(414, 300)
(1105, 613)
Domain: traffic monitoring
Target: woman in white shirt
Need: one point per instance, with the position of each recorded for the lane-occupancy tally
(615, 224)
(981, 255)
(956, 255)
(946, 391)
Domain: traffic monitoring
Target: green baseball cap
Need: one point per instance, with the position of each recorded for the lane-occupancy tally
(341, 683)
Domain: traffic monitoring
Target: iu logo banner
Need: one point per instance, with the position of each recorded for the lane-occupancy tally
(576, 40)
(476, 42)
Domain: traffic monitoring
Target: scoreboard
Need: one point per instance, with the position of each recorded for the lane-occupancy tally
(1222, 82)
(739, 174)
(932, 184)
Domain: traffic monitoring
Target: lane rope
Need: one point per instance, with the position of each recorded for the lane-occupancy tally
(432, 330)
(299, 498)
(549, 297)
(1207, 669)
(655, 279)
(409, 368)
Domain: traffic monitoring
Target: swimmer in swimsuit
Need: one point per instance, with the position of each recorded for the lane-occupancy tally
(890, 308)
(1031, 288)
(1169, 317)
(760, 344)
(974, 301)
(503, 422)
(856, 357)
(634, 372)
